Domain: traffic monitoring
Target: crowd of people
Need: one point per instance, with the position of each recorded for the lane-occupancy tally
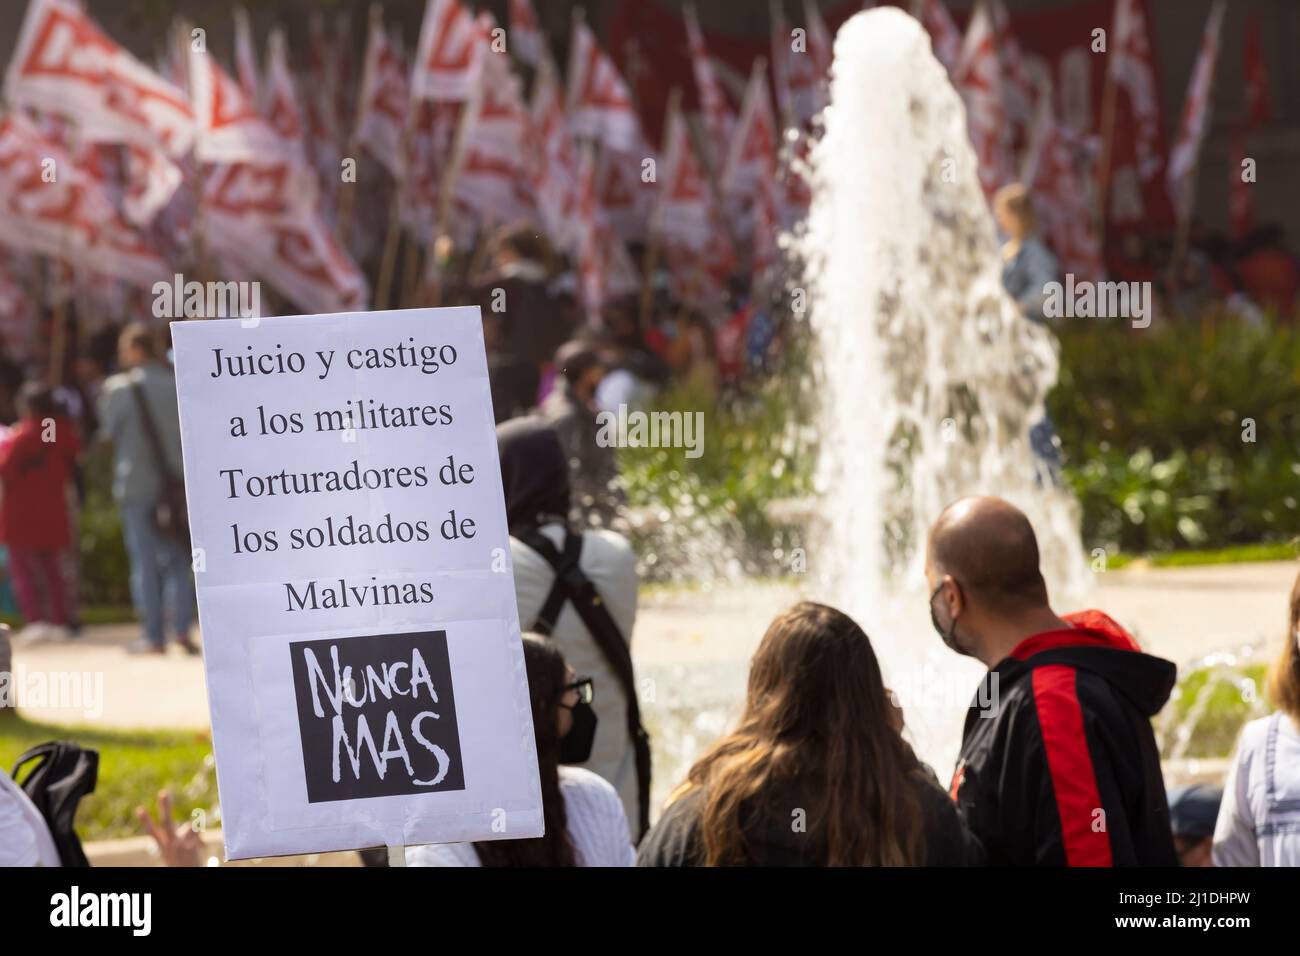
(135, 411)
(1063, 769)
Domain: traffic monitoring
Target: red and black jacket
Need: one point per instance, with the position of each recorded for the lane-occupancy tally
(1058, 763)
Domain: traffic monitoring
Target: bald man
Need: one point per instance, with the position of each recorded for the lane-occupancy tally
(1058, 763)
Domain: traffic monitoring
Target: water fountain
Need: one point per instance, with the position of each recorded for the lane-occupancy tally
(930, 379)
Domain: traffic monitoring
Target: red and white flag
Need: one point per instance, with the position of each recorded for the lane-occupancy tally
(120, 251)
(47, 204)
(623, 197)
(979, 80)
(63, 63)
(246, 56)
(450, 54)
(243, 195)
(552, 159)
(749, 179)
(719, 118)
(266, 221)
(752, 156)
(1019, 91)
(1133, 70)
(490, 175)
(384, 103)
(794, 193)
(526, 37)
(700, 277)
(322, 122)
(280, 106)
(68, 215)
(821, 44)
(151, 181)
(302, 260)
(1052, 173)
(599, 103)
(799, 65)
(681, 208)
(945, 38)
(605, 270)
(497, 118)
(230, 128)
(1259, 102)
(1196, 108)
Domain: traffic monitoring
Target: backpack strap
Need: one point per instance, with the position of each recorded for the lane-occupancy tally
(572, 585)
(151, 433)
(563, 564)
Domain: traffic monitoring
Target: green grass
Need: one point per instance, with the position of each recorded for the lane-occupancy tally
(133, 766)
(1235, 554)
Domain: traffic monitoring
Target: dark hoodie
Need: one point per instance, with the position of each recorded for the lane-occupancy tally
(534, 473)
(1058, 764)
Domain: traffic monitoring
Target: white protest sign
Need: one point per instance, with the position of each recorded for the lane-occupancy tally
(364, 663)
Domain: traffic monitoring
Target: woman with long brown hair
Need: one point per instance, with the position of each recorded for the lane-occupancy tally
(585, 822)
(817, 773)
(1259, 818)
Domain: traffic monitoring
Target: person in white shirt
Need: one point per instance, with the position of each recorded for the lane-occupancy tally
(25, 838)
(585, 825)
(1259, 819)
(534, 475)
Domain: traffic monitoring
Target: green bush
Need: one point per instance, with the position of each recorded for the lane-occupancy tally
(1182, 435)
(105, 570)
(712, 510)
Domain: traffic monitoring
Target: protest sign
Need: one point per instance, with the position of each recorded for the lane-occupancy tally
(364, 664)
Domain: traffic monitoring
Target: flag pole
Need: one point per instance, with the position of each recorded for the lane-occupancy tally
(58, 330)
(348, 197)
(388, 259)
(1108, 97)
(199, 249)
(469, 113)
(393, 234)
(656, 234)
(59, 320)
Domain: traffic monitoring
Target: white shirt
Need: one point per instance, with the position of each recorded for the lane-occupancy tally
(1259, 819)
(597, 827)
(25, 840)
(608, 560)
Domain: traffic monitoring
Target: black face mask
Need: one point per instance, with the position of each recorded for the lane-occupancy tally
(576, 745)
(949, 636)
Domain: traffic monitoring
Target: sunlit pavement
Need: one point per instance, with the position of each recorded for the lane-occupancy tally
(1178, 613)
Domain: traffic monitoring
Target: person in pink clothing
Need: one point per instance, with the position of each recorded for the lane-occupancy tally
(37, 461)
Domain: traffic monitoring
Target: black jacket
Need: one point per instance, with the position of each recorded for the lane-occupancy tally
(676, 841)
(1058, 763)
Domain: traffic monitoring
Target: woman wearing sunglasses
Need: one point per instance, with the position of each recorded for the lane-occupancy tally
(585, 822)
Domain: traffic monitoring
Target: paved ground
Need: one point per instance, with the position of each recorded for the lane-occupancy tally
(1181, 614)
